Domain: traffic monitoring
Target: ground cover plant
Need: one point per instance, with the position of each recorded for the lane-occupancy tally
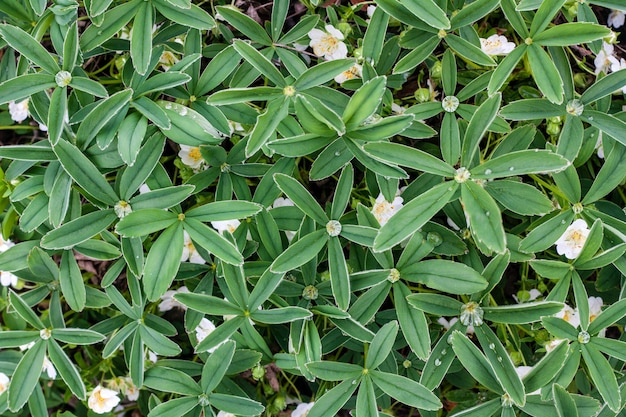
(382, 208)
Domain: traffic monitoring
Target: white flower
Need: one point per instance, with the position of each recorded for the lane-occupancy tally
(167, 60)
(328, 44)
(7, 278)
(4, 382)
(551, 345)
(223, 225)
(122, 209)
(496, 45)
(599, 147)
(572, 241)
(144, 189)
(522, 371)
(447, 324)
(225, 414)
(370, 10)
(281, 202)
(570, 315)
(152, 357)
(616, 18)
(205, 328)
(618, 66)
(130, 389)
(525, 296)
(48, 368)
(168, 301)
(190, 252)
(5, 244)
(397, 109)
(18, 111)
(191, 156)
(595, 307)
(302, 409)
(383, 210)
(27, 346)
(103, 400)
(352, 73)
(605, 59)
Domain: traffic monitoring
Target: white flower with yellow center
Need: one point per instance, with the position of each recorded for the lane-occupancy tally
(223, 225)
(167, 60)
(605, 59)
(302, 410)
(191, 156)
(48, 368)
(122, 209)
(103, 400)
(570, 315)
(496, 45)
(168, 302)
(5, 244)
(572, 241)
(18, 111)
(616, 19)
(4, 382)
(383, 210)
(190, 253)
(350, 74)
(328, 44)
(130, 389)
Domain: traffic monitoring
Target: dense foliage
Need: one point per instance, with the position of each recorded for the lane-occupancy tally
(388, 208)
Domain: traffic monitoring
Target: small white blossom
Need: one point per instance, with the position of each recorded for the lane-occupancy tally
(384, 210)
(447, 324)
(8, 278)
(572, 241)
(397, 109)
(205, 328)
(496, 45)
(167, 60)
(370, 10)
(27, 346)
(168, 302)
(302, 410)
(595, 307)
(551, 345)
(525, 296)
(618, 66)
(103, 400)
(350, 74)
(281, 202)
(599, 146)
(522, 371)
(191, 156)
(48, 368)
(18, 111)
(570, 315)
(190, 253)
(122, 209)
(130, 389)
(4, 382)
(144, 189)
(605, 59)
(152, 357)
(225, 414)
(223, 225)
(616, 18)
(5, 244)
(328, 44)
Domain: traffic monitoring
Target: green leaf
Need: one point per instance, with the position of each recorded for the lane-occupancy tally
(474, 362)
(381, 345)
(24, 311)
(28, 153)
(241, 95)
(144, 222)
(216, 366)
(280, 315)
(505, 68)
(546, 12)
(56, 114)
(245, 25)
(375, 36)
(67, 370)
(412, 322)
(366, 398)
(146, 159)
(484, 216)
(236, 404)
(71, 280)
(213, 242)
(410, 157)
(26, 375)
(157, 342)
(520, 163)
(105, 111)
(118, 338)
(209, 304)
(445, 275)
(414, 215)
(603, 87)
(223, 210)
(608, 317)
(163, 261)
(321, 73)
(547, 368)
(300, 252)
(17, 338)
(611, 174)
(518, 197)
(571, 138)
(258, 60)
(544, 235)
(217, 70)
(150, 110)
(194, 17)
(266, 125)
(141, 38)
(332, 401)
(545, 74)
(429, 12)
(530, 109)
(565, 405)
(88, 86)
(301, 198)
(162, 81)
(338, 270)
(522, 313)
(364, 102)
(468, 50)
(602, 376)
(334, 371)
(560, 328)
(176, 407)
(417, 55)
(566, 34)
(35, 213)
(166, 379)
(28, 46)
(78, 230)
(406, 390)
(480, 122)
(188, 127)
(471, 13)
